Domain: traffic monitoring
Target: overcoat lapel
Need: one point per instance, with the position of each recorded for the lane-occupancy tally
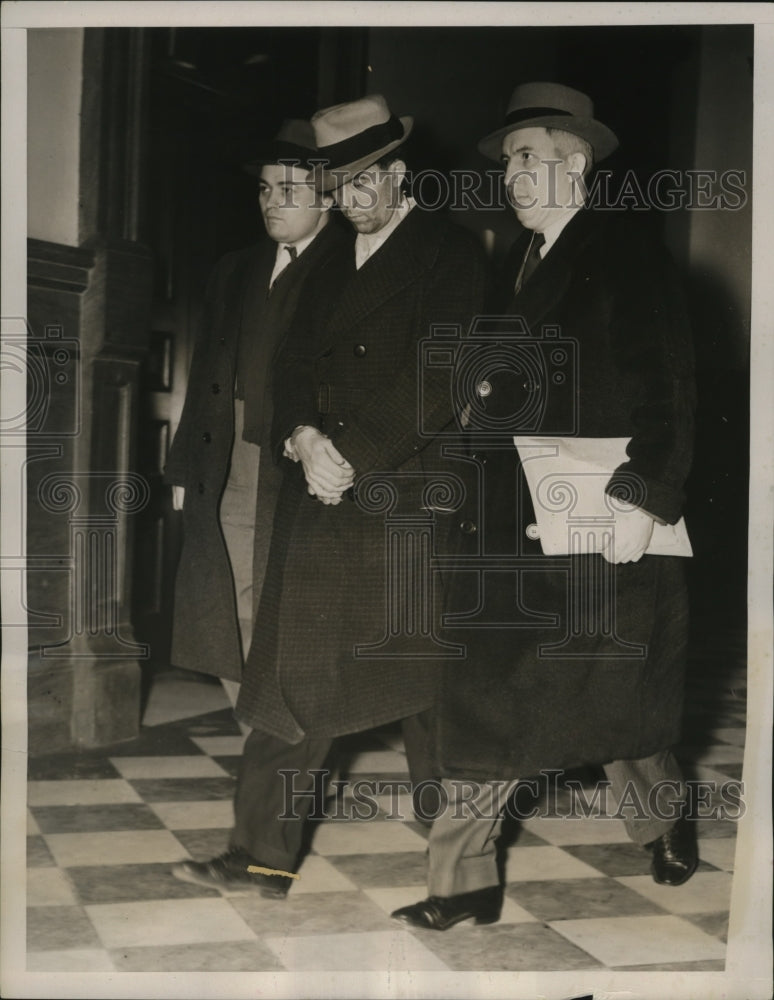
(548, 284)
(397, 264)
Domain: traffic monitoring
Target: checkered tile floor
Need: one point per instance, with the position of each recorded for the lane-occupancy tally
(105, 827)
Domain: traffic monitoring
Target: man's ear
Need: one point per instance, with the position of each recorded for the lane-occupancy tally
(327, 201)
(398, 167)
(576, 165)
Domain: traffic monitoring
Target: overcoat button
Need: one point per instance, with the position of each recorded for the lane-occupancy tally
(360, 350)
(468, 527)
(206, 437)
(484, 388)
(532, 532)
(200, 487)
(215, 388)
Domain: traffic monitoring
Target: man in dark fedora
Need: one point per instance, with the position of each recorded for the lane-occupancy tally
(224, 430)
(327, 657)
(585, 664)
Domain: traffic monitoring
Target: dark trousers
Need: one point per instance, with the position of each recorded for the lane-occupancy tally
(272, 807)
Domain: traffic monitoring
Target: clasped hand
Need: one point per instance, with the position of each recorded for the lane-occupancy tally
(328, 474)
(630, 536)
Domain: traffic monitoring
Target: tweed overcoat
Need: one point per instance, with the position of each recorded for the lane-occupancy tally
(205, 633)
(352, 367)
(569, 659)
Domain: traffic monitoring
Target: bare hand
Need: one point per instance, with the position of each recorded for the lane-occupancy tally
(630, 537)
(178, 497)
(328, 474)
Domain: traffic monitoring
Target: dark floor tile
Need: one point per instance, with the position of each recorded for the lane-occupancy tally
(70, 767)
(228, 956)
(131, 883)
(204, 844)
(38, 854)
(506, 948)
(708, 965)
(579, 898)
(103, 816)
(220, 723)
(183, 789)
(312, 913)
(59, 928)
(612, 859)
(156, 741)
(373, 870)
(715, 924)
(229, 764)
(619, 859)
(710, 829)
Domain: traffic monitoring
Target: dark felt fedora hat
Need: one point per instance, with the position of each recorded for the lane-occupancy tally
(551, 105)
(352, 136)
(293, 144)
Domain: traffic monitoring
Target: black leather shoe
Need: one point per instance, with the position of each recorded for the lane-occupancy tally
(675, 854)
(229, 871)
(438, 913)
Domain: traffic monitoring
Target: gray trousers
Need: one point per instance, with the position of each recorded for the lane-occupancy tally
(462, 849)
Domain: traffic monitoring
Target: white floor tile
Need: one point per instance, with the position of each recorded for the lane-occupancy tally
(85, 792)
(176, 698)
(535, 864)
(640, 940)
(319, 875)
(49, 887)
(168, 921)
(220, 746)
(121, 847)
(570, 830)
(371, 952)
(705, 892)
(210, 815)
(77, 960)
(731, 734)
(167, 767)
(377, 837)
(376, 761)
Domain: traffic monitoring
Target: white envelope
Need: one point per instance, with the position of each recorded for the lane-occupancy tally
(566, 479)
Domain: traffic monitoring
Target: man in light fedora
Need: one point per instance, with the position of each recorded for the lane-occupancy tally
(346, 431)
(594, 673)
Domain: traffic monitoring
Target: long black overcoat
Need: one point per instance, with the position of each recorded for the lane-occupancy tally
(205, 634)
(572, 660)
(352, 367)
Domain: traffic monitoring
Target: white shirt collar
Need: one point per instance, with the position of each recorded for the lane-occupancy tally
(282, 258)
(366, 244)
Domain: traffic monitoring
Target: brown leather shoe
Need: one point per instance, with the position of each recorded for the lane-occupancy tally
(438, 913)
(229, 871)
(675, 854)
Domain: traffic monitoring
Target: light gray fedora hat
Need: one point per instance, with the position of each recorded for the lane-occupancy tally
(551, 105)
(354, 135)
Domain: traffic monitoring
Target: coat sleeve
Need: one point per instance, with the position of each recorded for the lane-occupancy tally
(651, 344)
(178, 460)
(402, 418)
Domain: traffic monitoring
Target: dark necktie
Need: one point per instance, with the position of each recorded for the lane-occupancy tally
(293, 253)
(531, 260)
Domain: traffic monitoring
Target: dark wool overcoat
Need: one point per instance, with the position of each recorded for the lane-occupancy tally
(238, 304)
(352, 367)
(569, 659)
